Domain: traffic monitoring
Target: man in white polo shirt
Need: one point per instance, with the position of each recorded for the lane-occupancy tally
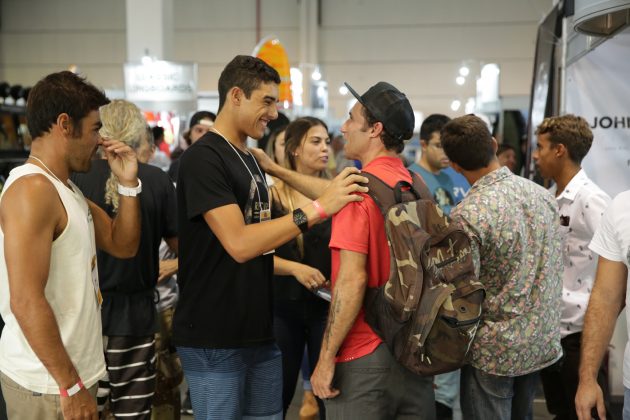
(561, 145)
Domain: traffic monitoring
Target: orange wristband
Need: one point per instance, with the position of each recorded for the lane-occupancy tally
(320, 209)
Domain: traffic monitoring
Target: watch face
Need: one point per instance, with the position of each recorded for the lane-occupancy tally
(299, 218)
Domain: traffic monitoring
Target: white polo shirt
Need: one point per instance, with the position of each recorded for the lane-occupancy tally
(581, 206)
(612, 241)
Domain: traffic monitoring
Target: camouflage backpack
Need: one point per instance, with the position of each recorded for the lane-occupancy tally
(428, 311)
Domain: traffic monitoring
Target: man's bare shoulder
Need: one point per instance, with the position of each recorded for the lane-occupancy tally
(31, 195)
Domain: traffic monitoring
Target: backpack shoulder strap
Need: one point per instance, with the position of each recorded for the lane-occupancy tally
(385, 196)
(381, 193)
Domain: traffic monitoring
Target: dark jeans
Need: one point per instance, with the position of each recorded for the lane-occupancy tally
(486, 396)
(560, 380)
(377, 387)
(297, 324)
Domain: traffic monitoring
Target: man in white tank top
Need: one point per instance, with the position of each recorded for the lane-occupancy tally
(51, 352)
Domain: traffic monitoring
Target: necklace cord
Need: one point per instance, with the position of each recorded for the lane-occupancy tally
(248, 170)
(46, 167)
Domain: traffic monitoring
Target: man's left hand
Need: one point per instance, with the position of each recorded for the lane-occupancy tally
(321, 381)
(122, 161)
(266, 163)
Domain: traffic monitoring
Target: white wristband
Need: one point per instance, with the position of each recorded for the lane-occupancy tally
(130, 191)
(73, 390)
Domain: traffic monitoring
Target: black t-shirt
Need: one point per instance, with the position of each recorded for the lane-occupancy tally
(222, 303)
(128, 285)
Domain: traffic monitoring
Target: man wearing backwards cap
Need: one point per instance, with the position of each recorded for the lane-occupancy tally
(356, 373)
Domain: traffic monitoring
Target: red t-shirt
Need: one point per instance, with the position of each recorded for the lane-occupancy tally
(360, 227)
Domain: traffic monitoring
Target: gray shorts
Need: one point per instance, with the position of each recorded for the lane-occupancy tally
(376, 387)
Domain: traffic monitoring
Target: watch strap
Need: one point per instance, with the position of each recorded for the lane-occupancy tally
(300, 220)
(130, 191)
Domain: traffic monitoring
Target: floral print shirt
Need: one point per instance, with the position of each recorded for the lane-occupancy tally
(514, 226)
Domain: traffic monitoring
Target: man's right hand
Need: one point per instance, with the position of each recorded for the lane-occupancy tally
(80, 406)
(589, 395)
(342, 190)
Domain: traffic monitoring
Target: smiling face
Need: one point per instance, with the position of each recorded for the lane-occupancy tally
(82, 148)
(256, 111)
(311, 157)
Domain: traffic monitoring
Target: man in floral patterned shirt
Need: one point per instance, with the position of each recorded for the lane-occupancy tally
(514, 227)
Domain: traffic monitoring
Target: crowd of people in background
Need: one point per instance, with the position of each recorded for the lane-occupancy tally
(128, 264)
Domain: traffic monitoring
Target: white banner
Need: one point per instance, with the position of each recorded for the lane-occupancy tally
(598, 89)
(161, 81)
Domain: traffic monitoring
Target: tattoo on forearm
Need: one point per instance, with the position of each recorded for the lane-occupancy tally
(335, 308)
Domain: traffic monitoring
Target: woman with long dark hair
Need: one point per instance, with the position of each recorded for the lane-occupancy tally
(302, 265)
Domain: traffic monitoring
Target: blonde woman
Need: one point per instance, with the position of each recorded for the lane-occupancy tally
(128, 311)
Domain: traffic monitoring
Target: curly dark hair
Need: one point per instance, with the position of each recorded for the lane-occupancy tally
(571, 131)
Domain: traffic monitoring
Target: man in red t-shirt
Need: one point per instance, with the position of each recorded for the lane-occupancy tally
(356, 374)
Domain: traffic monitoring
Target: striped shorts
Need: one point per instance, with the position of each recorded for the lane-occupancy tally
(129, 385)
(234, 384)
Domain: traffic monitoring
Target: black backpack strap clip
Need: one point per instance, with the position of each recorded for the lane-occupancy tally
(385, 196)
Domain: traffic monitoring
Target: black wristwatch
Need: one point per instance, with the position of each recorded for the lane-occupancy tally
(299, 218)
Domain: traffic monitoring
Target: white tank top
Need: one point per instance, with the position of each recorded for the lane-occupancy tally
(71, 291)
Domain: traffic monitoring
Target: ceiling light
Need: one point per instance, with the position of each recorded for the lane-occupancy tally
(460, 80)
(343, 90)
(455, 105)
(316, 75)
(490, 70)
(464, 71)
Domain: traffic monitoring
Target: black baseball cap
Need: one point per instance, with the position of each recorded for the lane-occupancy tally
(389, 106)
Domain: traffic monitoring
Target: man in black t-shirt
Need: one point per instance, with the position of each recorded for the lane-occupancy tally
(223, 321)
